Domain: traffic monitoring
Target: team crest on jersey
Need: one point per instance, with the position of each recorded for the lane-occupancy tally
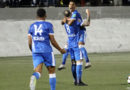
(74, 15)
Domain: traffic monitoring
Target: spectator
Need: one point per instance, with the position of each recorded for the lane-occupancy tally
(82, 2)
(2, 5)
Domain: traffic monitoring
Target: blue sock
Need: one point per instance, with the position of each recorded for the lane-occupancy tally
(37, 75)
(64, 57)
(79, 72)
(52, 81)
(73, 70)
(83, 50)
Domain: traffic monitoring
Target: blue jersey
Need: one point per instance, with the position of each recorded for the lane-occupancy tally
(40, 32)
(77, 17)
(72, 32)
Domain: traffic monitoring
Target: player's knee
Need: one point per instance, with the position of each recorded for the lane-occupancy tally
(73, 62)
(51, 70)
(81, 43)
(81, 46)
(80, 62)
(38, 70)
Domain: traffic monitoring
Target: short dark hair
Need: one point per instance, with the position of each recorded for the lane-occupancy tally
(73, 1)
(41, 12)
(67, 13)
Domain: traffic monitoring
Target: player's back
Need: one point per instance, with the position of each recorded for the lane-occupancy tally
(40, 32)
(72, 32)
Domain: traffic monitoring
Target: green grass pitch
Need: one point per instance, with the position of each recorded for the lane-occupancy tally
(108, 72)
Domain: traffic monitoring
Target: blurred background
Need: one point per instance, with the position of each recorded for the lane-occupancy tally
(108, 32)
(61, 3)
(107, 43)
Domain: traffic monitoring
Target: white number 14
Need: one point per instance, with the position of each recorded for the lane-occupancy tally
(38, 29)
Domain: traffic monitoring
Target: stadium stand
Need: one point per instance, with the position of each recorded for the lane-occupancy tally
(61, 3)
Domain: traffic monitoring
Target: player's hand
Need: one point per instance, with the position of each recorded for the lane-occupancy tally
(64, 20)
(62, 51)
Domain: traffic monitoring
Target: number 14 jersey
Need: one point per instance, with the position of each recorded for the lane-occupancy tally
(40, 32)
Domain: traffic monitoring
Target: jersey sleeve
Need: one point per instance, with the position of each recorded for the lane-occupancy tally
(79, 22)
(51, 31)
(30, 31)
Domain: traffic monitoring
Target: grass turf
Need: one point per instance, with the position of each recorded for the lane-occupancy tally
(108, 72)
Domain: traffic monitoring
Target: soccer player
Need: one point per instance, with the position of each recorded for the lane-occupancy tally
(77, 17)
(40, 35)
(76, 55)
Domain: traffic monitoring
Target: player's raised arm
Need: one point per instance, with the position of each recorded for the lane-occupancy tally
(55, 44)
(87, 21)
(88, 16)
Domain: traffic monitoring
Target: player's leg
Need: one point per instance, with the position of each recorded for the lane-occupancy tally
(50, 64)
(38, 63)
(128, 80)
(79, 64)
(73, 65)
(64, 58)
(83, 50)
(85, 54)
(73, 70)
(52, 77)
(35, 76)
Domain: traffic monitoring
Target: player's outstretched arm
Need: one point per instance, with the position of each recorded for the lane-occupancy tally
(70, 21)
(56, 45)
(67, 20)
(30, 42)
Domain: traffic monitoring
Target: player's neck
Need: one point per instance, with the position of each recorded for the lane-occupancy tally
(41, 19)
(72, 10)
